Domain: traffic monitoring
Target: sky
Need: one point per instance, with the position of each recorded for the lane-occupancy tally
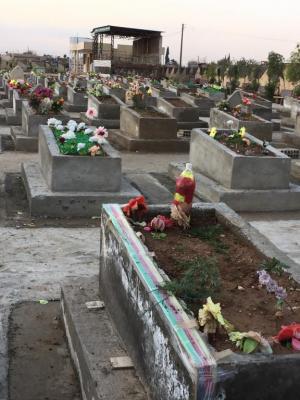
(213, 29)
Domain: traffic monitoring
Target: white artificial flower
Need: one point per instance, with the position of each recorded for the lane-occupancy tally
(52, 122)
(81, 126)
(88, 131)
(80, 146)
(59, 127)
(69, 135)
(72, 125)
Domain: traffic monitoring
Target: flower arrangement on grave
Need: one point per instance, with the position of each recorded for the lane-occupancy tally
(112, 84)
(20, 85)
(97, 91)
(43, 102)
(137, 93)
(78, 139)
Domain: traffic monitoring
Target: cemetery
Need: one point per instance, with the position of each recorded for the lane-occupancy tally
(149, 224)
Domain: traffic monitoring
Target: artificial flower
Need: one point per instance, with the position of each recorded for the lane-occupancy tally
(72, 125)
(94, 150)
(101, 131)
(213, 132)
(91, 112)
(80, 146)
(243, 131)
(136, 206)
(290, 333)
(69, 135)
(88, 131)
(59, 127)
(210, 315)
(81, 126)
(53, 122)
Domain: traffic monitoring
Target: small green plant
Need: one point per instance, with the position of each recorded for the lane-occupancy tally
(158, 235)
(210, 234)
(200, 279)
(274, 266)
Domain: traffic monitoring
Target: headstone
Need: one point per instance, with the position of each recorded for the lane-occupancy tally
(235, 99)
(16, 73)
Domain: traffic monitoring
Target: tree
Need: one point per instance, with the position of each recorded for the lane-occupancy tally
(293, 68)
(276, 67)
(167, 57)
(275, 71)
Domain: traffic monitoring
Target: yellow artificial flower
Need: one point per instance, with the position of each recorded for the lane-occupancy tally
(213, 132)
(210, 314)
(243, 131)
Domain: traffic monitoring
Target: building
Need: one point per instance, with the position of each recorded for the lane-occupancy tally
(81, 54)
(145, 55)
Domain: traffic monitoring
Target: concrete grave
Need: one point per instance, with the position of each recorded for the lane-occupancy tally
(170, 354)
(242, 182)
(186, 114)
(26, 136)
(60, 89)
(154, 132)
(76, 100)
(118, 92)
(259, 106)
(14, 114)
(204, 103)
(107, 111)
(258, 127)
(65, 185)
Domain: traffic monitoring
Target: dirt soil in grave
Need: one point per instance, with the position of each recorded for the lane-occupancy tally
(150, 112)
(244, 303)
(247, 150)
(106, 100)
(178, 103)
(40, 366)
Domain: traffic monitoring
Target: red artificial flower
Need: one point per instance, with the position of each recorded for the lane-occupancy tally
(292, 333)
(136, 206)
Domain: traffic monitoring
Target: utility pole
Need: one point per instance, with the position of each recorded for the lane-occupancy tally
(180, 60)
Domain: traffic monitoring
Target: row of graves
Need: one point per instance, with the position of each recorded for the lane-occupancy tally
(207, 307)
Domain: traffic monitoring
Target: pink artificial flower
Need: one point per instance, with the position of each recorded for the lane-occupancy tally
(91, 112)
(94, 150)
(101, 131)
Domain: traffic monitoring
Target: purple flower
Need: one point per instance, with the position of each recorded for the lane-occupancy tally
(280, 293)
(263, 277)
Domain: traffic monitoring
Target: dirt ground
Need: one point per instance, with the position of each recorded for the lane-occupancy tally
(40, 366)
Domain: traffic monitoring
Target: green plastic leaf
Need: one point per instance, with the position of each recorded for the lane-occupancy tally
(43, 302)
(158, 235)
(249, 345)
